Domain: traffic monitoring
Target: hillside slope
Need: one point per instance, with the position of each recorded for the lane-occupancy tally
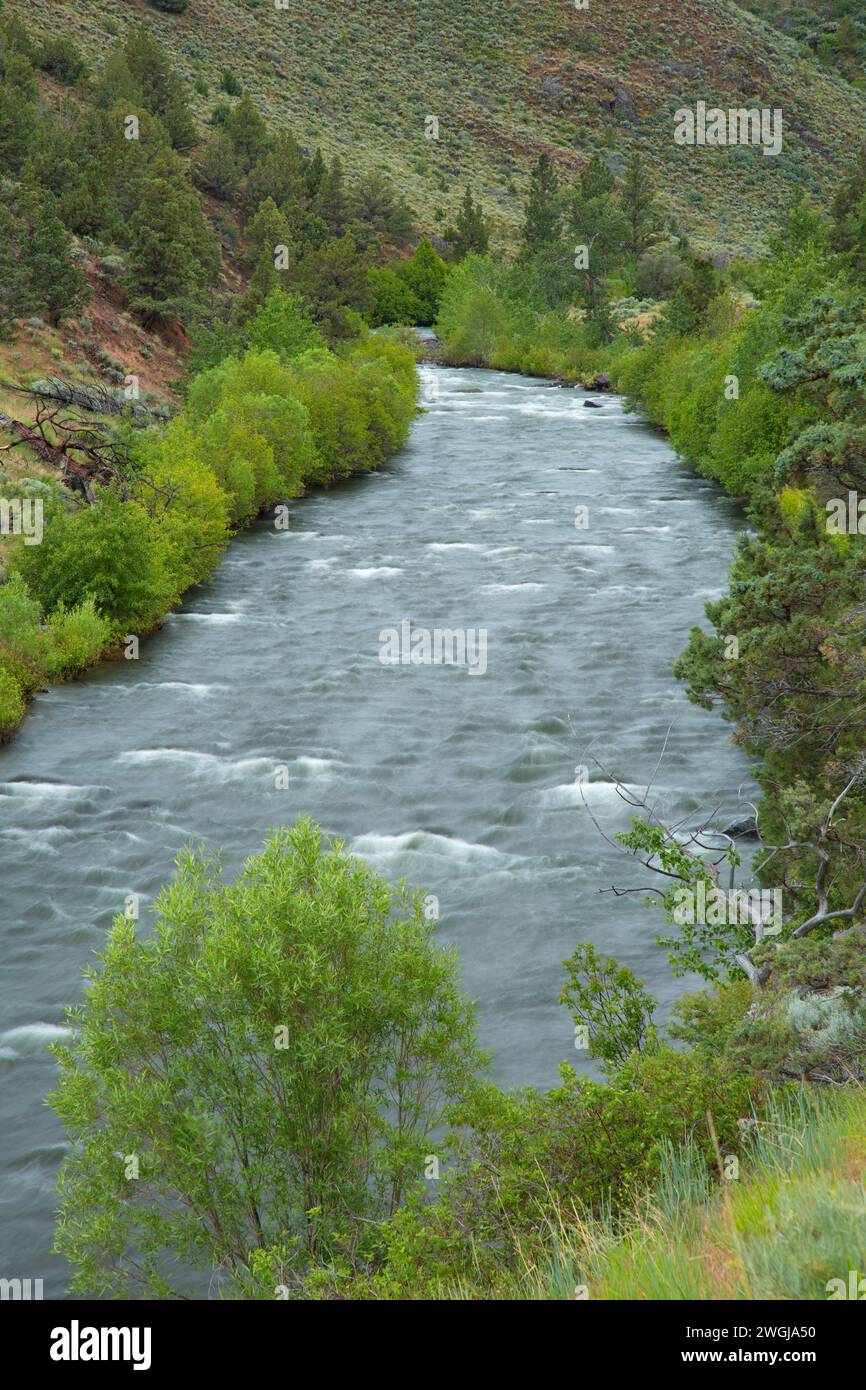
(508, 79)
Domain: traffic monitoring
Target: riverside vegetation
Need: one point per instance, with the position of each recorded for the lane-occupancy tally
(285, 389)
(279, 1084)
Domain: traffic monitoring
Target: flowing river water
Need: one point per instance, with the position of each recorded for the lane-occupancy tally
(462, 783)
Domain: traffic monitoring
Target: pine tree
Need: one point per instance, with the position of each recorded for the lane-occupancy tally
(848, 212)
(331, 202)
(541, 224)
(596, 180)
(218, 168)
(139, 72)
(314, 173)
(55, 282)
(596, 222)
(334, 282)
(18, 110)
(161, 91)
(375, 202)
(277, 174)
(692, 297)
(247, 132)
(470, 231)
(15, 299)
(173, 251)
(266, 231)
(638, 203)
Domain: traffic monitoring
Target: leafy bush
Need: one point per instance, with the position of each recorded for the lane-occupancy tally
(111, 553)
(277, 1053)
(394, 301)
(20, 631)
(521, 1157)
(658, 272)
(472, 319)
(74, 638)
(187, 503)
(283, 325)
(260, 392)
(610, 1002)
(12, 703)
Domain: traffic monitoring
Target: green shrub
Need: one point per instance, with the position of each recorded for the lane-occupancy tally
(20, 632)
(283, 325)
(60, 57)
(12, 703)
(523, 1156)
(112, 553)
(74, 638)
(394, 300)
(278, 1053)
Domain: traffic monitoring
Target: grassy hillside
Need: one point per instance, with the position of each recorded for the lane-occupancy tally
(790, 1223)
(834, 30)
(508, 79)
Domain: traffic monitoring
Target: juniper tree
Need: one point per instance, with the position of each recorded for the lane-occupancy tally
(173, 251)
(331, 201)
(247, 132)
(55, 282)
(637, 199)
(470, 231)
(543, 213)
(15, 293)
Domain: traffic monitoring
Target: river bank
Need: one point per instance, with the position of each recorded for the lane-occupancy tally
(255, 432)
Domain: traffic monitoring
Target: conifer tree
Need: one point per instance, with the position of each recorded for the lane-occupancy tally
(55, 282)
(18, 111)
(334, 282)
(218, 169)
(375, 202)
(277, 174)
(331, 202)
(637, 200)
(247, 132)
(596, 180)
(267, 231)
(173, 250)
(139, 72)
(470, 231)
(314, 173)
(15, 299)
(542, 219)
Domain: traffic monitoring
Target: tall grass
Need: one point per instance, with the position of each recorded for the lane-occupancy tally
(792, 1219)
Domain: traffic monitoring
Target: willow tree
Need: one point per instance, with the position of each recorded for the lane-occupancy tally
(262, 1072)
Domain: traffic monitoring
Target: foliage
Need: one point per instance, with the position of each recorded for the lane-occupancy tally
(173, 252)
(12, 703)
(470, 232)
(62, 58)
(74, 639)
(275, 1055)
(610, 1003)
(55, 283)
(111, 553)
(284, 325)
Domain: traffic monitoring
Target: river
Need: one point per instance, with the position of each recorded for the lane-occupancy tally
(463, 783)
